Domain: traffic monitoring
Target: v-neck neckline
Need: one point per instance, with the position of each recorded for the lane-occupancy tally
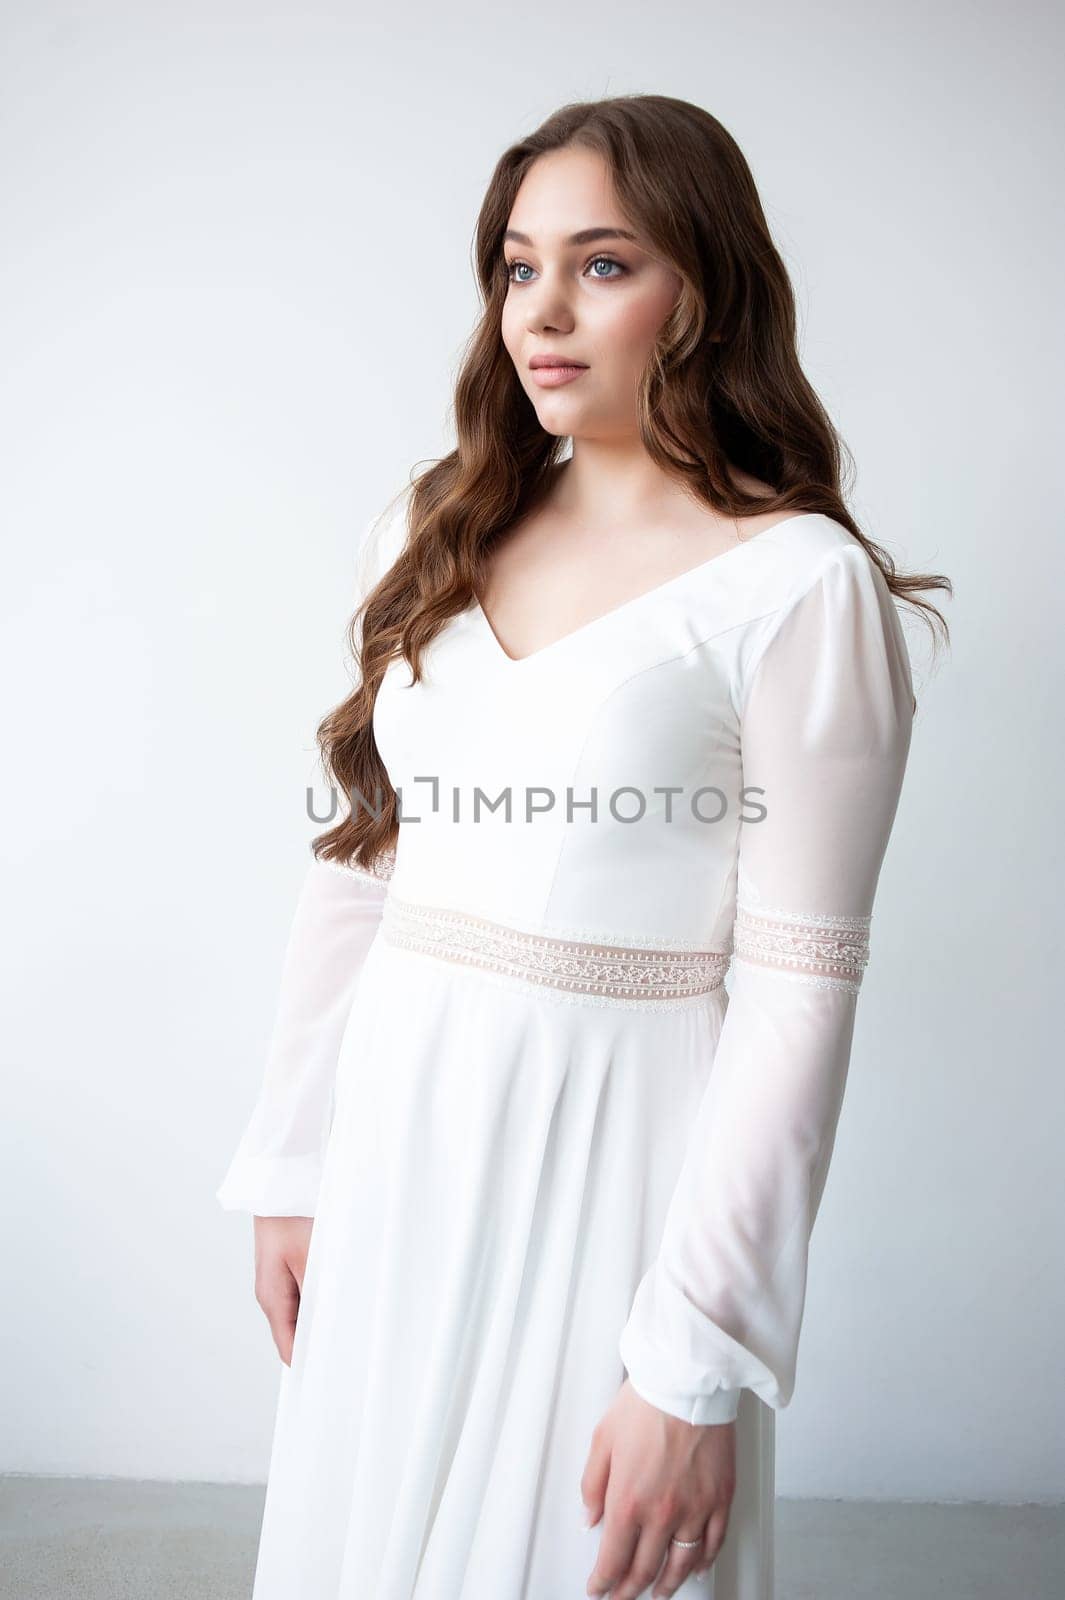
(628, 605)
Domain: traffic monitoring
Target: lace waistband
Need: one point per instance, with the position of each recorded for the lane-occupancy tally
(621, 973)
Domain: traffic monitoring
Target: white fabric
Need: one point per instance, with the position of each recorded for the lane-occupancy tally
(826, 721)
(276, 1171)
(520, 1193)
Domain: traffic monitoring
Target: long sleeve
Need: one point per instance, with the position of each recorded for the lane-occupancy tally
(277, 1166)
(825, 714)
(276, 1170)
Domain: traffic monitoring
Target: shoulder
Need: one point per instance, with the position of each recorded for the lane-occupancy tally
(801, 554)
(813, 576)
(807, 549)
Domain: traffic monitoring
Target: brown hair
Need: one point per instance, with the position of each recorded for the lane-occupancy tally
(723, 388)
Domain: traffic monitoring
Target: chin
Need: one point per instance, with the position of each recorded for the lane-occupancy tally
(556, 428)
(557, 419)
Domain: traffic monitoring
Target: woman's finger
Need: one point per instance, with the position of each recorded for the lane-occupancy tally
(617, 1542)
(716, 1529)
(279, 1296)
(681, 1560)
(296, 1261)
(648, 1557)
(596, 1476)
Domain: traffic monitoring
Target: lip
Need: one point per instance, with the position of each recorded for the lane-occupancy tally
(551, 358)
(551, 370)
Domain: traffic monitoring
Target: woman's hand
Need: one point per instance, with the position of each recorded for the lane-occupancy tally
(281, 1245)
(657, 1477)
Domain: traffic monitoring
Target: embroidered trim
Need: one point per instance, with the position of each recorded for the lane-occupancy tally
(828, 952)
(577, 968)
(384, 869)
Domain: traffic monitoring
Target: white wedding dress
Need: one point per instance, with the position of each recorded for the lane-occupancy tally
(544, 1145)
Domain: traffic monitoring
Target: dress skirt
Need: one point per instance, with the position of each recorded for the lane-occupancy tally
(495, 1185)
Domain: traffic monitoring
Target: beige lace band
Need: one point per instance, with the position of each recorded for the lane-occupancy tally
(621, 972)
(828, 952)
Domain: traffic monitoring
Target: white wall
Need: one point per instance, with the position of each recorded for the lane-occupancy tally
(236, 283)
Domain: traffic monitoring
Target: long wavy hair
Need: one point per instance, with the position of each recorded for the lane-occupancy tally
(723, 387)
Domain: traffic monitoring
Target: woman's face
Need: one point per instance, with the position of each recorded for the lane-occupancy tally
(599, 301)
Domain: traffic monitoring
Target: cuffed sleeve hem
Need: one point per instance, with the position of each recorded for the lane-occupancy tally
(283, 1186)
(721, 1405)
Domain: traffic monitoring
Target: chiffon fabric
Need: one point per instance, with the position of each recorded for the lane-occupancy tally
(559, 1080)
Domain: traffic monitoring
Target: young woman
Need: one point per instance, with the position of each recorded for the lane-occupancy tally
(621, 715)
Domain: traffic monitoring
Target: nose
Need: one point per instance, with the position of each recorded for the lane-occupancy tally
(547, 307)
(554, 319)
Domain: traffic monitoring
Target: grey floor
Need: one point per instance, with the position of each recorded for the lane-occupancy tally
(108, 1539)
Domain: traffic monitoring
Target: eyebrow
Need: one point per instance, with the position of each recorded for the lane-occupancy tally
(585, 236)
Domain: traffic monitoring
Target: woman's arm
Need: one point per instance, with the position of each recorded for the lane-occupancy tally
(277, 1166)
(825, 715)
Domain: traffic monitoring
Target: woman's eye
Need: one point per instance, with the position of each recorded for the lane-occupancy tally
(607, 261)
(515, 267)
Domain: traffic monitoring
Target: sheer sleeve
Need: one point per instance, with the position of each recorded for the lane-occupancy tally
(277, 1167)
(825, 711)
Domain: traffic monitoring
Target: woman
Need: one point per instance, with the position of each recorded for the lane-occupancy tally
(619, 716)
